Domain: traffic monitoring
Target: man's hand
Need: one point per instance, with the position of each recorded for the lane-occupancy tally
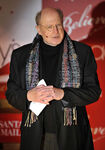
(59, 93)
(45, 94)
(42, 94)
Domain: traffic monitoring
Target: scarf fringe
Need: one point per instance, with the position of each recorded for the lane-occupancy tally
(31, 118)
(70, 116)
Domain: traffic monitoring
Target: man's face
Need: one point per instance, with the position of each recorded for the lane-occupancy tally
(51, 28)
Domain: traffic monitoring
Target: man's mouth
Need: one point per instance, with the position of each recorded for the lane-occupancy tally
(56, 37)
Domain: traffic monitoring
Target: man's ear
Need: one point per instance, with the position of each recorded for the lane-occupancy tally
(38, 29)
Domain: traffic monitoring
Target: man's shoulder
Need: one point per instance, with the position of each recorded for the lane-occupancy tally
(80, 44)
(82, 48)
(21, 54)
(24, 48)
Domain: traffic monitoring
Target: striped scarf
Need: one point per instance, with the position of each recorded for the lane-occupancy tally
(70, 73)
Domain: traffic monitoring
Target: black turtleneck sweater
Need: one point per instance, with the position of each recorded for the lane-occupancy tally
(49, 62)
(49, 58)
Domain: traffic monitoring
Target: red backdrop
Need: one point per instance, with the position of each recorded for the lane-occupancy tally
(10, 127)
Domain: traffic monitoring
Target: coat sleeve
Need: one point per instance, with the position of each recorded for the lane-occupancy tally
(15, 94)
(89, 90)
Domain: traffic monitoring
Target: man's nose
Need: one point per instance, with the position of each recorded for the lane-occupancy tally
(55, 29)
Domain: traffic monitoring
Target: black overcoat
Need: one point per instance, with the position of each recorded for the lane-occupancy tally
(69, 137)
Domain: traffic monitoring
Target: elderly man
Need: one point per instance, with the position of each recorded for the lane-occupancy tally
(69, 70)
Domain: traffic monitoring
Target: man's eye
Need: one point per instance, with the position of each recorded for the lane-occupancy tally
(49, 27)
(59, 25)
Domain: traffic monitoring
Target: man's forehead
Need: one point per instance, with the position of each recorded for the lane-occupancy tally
(48, 13)
(49, 10)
